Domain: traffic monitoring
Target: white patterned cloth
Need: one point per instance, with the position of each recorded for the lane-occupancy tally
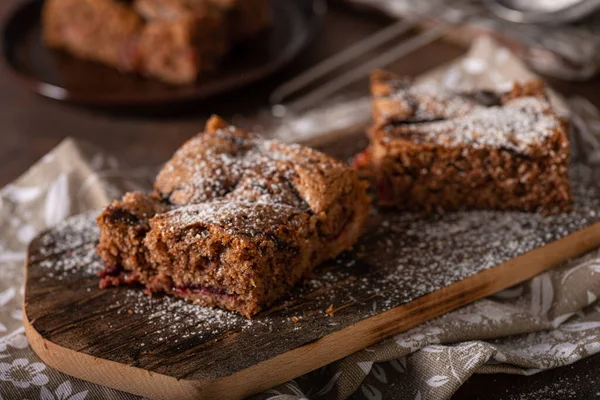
(549, 321)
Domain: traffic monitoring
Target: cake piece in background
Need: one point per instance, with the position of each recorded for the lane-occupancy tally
(175, 41)
(244, 19)
(179, 51)
(105, 31)
(234, 221)
(171, 10)
(433, 149)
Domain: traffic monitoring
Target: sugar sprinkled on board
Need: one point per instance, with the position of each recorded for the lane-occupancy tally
(70, 233)
(70, 247)
(175, 317)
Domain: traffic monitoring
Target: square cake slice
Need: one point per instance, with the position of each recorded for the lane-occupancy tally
(236, 255)
(433, 149)
(234, 221)
(181, 50)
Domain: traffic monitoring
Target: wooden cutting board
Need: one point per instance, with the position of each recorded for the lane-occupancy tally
(406, 270)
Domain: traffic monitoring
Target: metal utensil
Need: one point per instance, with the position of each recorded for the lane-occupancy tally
(395, 51)
(524, 11)
(552, 12)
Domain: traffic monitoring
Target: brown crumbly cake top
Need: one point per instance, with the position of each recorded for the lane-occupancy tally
(226, 163)
(518, 120)
(430, 102)
(518, 125)
(237, 217)
(399, 99)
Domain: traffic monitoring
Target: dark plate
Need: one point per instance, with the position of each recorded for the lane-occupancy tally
(59, 76)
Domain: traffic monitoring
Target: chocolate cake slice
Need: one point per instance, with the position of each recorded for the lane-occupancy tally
(234, 221)
(434, 149)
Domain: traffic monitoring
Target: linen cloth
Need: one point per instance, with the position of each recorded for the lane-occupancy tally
(549, 321)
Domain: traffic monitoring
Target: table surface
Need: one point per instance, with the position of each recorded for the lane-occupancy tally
(32, 126)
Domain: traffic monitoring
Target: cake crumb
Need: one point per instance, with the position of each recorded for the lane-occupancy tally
(329, 310)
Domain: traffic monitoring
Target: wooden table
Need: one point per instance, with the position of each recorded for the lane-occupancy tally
(32, 126)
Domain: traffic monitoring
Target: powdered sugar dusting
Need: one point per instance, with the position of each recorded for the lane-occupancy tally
(426, 101)
(69, 234)
(432, 113)
(233, 165)
(431, 100)
(518, 125)
(241, 217)
(171, 319)
(69, 248)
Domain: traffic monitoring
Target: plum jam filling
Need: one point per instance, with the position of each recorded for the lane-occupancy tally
(385, 190)
(187, 290)
(116, 276)
(118, 215)
(361, 160)
(110, 271)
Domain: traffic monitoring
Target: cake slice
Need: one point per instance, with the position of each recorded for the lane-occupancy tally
(433, 149)
(234, 221)
(236, 255)
(125, 224)
(181, 50)
(175, 50)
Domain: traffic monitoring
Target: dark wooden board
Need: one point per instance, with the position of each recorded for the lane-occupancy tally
(407, 269)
